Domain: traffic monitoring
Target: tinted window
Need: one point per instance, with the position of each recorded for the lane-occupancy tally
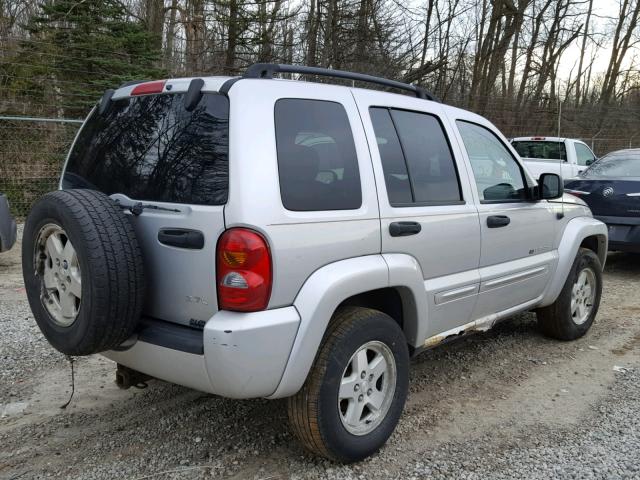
(540, 150)
(584, 154)
(393, 162)
(497, 174)
(624, 164)
(317, 160)
(418, 141)
(151, 148)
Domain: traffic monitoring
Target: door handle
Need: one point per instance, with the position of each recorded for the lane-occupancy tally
(181, 238)
(497, 221)
(404, 229)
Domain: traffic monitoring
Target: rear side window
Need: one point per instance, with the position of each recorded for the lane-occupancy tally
(317, 160)
(151, 148)
(418, 164)
(396, 177)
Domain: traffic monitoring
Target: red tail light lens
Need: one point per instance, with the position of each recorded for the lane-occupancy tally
(148, 88)
(243, 271)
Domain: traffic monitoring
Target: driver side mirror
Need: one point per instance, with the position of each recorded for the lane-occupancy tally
(550, 186)
(589, 162)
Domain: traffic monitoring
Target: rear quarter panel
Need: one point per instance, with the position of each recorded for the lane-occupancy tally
(300, 242)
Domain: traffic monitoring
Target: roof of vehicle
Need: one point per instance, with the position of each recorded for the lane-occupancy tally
(625, 151)
(257, 73)
(262, 71)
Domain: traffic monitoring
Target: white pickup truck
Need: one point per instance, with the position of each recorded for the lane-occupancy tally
(563, 156)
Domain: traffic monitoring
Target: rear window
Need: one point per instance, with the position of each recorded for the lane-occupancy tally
(317, 160)
(151, 148)
(540, 150)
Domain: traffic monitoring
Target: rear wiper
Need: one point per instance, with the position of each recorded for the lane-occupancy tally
(137, 208)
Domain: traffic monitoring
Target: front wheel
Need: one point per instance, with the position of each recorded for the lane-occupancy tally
(356, 390)
(573, 312)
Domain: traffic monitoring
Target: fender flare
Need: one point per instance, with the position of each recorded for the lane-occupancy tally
(316, 301)
(576, 230)
(330, 285)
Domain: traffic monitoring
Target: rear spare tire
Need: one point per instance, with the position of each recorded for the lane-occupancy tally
(83, 271)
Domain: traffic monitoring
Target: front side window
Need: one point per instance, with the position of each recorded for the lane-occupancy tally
(416, 159)
(317, 160)
(498, 176)
(584, 155)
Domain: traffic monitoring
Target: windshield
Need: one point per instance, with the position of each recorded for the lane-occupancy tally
(615, 165)
(540, 150)
(151, 148)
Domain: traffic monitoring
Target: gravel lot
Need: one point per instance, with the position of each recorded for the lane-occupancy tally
(505, 404)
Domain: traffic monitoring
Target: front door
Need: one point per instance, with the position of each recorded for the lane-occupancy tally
(518, 234)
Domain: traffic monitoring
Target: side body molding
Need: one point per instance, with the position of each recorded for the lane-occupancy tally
(576, 230)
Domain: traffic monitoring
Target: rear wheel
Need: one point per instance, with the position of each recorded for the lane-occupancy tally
(356, 390)
(572, 314)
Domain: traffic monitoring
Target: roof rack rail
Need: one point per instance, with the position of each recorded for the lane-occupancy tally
(267, 70)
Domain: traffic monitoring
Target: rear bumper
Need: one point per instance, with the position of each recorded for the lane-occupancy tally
(624, 233)
(8, 227)
(243, 355)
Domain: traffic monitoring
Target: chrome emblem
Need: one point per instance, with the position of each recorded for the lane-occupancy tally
(191, 299)
(607, 192)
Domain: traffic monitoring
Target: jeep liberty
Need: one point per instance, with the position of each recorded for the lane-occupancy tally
(263, 237)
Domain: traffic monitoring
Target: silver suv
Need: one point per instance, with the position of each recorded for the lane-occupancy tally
(259, 237)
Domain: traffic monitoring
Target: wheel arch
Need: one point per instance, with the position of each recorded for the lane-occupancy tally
(398, 302)
(597, 243)
(585, 232)
(362, 281)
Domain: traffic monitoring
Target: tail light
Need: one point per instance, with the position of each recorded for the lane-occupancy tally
(243, 271)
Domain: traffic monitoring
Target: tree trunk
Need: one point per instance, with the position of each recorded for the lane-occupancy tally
(582, 53)
(232, 40)
(154, 19)
(171, 34)
(193, 21)
(313, 21)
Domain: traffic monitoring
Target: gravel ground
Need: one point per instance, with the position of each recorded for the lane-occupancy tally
(505, 404)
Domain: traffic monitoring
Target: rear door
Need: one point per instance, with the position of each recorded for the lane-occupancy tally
(168, 168)
(426, 207)
(518, 253)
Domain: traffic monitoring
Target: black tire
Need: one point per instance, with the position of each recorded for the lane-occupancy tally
(313, 412)
(110, 262)
(556, 320)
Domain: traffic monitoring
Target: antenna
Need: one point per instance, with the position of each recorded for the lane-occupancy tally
(566, 159)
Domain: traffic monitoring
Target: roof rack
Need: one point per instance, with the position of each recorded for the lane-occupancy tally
(267, 70)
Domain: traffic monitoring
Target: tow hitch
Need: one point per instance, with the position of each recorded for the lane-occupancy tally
(127, 377)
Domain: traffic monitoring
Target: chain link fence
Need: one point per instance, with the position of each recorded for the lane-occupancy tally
(33, 149)
(32, 152)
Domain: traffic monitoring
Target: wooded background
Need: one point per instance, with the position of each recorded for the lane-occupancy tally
(505, 59)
